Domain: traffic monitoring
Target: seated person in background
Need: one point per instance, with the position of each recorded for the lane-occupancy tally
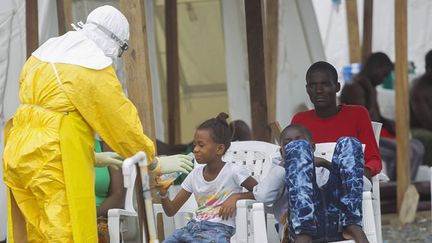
(362, 91)
(348, 126)
(109, 191)
(216, 186)
(421, 109)
(240, 131)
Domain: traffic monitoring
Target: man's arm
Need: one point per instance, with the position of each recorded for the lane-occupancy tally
(365, 134)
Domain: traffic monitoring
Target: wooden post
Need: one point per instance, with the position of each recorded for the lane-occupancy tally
(138, 82)
(353, 31)
(271, 50)
(257, 76)
(172, 67)
(32, 26)
(367, 29)
(402, 111)
(64, 15)
(276, 130)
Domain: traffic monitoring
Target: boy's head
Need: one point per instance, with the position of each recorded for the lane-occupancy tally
(294, 132)
(322, 85)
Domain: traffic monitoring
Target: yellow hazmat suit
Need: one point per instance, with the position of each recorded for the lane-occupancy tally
(48, 156)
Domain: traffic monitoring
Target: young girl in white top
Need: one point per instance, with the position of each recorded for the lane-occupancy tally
(216, 186)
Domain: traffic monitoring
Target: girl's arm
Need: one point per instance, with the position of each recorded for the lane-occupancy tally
(228, 208)
(172, 207)
(116, 193)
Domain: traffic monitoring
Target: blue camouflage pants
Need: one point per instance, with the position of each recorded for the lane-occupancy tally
(202, 231)
(323, 212)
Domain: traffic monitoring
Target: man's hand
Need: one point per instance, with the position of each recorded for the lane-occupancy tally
(108, 159)
(228, 207)
(367, 172)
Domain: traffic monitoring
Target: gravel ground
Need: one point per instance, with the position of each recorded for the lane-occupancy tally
(420, 231)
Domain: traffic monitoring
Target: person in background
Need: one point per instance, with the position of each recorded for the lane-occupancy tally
(109, 192)
(240, 131)
(421, 109)
(217, 187)
(362, 91)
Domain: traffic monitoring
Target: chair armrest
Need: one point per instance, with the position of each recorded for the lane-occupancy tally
(383, 177)
(116, 212)
(244, 203)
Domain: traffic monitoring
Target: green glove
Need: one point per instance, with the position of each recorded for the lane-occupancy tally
(108, 159)
(179, 162)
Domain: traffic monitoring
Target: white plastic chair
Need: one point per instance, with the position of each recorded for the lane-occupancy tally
(371, 200)
(124, 222)
(256, 156)
(325, 150)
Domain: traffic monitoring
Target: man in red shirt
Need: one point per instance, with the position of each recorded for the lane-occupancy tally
(349, 127)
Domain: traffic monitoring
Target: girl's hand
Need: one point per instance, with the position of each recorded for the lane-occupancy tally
(163, 185)
(228, 207)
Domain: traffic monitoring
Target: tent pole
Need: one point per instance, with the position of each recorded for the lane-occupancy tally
(139, 87)
(64, 15)
(173, 77)
(367, 29)
(257, 76)
(32, 31)
(402, 111)
(271, 50)
(353, 31)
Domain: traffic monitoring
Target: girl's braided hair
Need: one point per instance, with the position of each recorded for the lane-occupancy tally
(220, 131)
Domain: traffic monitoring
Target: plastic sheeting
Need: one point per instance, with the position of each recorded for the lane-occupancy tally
(12, 57)
(333, 29)
(299, 46)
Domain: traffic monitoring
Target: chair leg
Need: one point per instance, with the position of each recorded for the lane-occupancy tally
(369, 227)
(259, 223)
(114, 229)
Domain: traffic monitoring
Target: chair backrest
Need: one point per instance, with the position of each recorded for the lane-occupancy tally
(256, 156)
(325, 150)
(376, 126)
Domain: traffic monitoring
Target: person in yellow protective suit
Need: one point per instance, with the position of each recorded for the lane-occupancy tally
(69, 90)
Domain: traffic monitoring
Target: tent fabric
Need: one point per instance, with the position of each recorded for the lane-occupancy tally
(299, 45)
(12, 57)
(236, 62)
(333, 30)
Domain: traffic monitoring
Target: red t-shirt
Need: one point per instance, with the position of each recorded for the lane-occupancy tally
(350, 121)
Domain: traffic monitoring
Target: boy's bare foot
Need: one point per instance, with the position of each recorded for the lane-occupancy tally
(303, 239)
(355, 232)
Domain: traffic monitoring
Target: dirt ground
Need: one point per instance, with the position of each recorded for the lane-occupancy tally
(420, 231)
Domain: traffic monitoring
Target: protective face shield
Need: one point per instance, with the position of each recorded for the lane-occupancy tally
(109, 28)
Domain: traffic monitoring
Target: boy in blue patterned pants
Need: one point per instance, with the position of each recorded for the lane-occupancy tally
(334, 211)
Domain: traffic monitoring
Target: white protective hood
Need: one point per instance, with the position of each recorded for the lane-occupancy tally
(89, 47)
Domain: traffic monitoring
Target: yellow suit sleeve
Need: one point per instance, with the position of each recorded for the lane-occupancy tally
(98, 96)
